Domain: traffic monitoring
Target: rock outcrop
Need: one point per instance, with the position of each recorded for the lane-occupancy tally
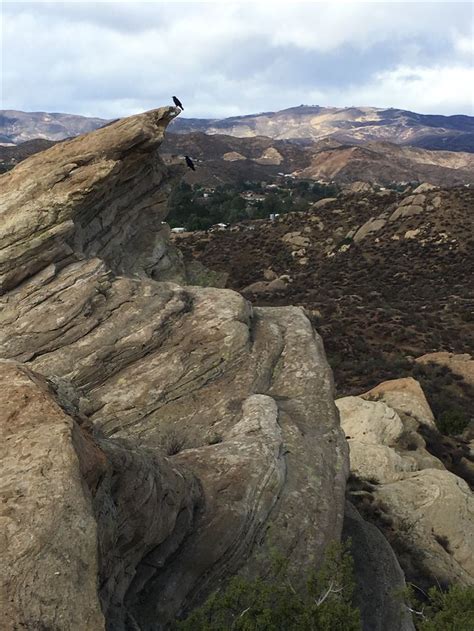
(430, 509)
(212, 431)
(49, 551)
(380, 581)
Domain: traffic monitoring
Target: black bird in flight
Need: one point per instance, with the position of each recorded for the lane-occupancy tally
(190, 163)
(177, 102)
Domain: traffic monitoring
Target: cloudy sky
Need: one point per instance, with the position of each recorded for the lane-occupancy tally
(111, 59)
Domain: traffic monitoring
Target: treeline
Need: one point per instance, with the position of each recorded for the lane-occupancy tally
(195, 208)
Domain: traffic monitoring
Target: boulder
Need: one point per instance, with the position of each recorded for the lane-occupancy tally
(405, 395)
(383, 446)
(424, 188)
(434, 512)
(429, 508)
(360, 187)
(323, 202)
(374, 423)
(406, 211)
(370, 226)
(296, 239)
(233, 156)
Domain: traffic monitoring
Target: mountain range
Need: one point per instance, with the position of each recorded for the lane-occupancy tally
(353, 125)
(223, 159)
(303, 124)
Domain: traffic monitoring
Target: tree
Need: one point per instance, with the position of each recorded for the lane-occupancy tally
(451, 610)
(272, 603)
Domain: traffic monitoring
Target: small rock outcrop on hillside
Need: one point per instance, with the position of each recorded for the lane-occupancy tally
(426, 510)
(188, 434)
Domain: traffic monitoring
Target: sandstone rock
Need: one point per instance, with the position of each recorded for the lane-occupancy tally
(379, 579)
(323, 202)
(270, 156)
(79, 512)
(368, 421)
(373, 225)
(430, 509)
(404, 395)
(406, 211)
(434, 510)
(197, 274)
(460, 364)
(417, 200)
(76, 200)
(424, 188)
(412, 234)
(360, 187)
(296, 239)
(158, 369)
(233, 156)
(48, 543)
(376, 436)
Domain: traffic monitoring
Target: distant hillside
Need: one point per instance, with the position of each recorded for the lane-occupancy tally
(350, 125)
(354, 125)
(385, 162)
(223, 159)
(17, 127)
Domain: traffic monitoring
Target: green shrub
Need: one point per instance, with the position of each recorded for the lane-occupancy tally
(272, 603)
(452, 421)
(452, 610)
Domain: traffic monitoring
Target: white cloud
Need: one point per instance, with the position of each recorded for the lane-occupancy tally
(112, 59)
(430, 90)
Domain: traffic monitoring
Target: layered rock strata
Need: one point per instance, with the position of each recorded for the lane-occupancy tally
(212, 434)
(430, 508)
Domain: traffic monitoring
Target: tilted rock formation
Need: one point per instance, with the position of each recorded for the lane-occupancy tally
(103, 194)
(213, 424)
(56, 478)
(48, 549)
(380, 581)
(431, 509)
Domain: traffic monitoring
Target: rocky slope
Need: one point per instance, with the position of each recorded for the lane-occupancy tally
(385, 163)
(351, 125)
(176, 430)
(386, 276)
(226, 159)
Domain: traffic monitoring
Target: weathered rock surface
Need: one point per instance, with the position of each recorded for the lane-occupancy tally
(103, 194)
(80, 514)
(404, 395)
(371, 226)
(383, 447)
(379, 579)
(431, 509)
(434, 511)
(48, 542)
(240, 399)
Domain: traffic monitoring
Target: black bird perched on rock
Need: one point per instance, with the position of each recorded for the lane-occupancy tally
(177, 102)
(190, 163)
